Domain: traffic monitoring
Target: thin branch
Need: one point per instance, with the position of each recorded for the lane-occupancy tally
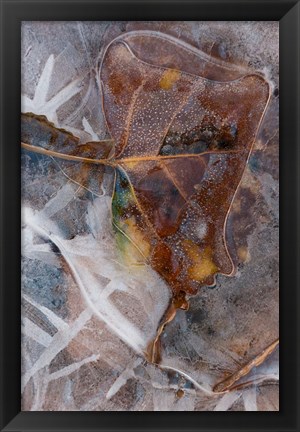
(227, 384)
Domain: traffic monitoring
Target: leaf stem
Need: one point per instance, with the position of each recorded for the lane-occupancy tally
(176, 156)
(227, 384)
(114, 164)
(52, 153)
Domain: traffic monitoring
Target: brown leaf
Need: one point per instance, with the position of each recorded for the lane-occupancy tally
(182, 143)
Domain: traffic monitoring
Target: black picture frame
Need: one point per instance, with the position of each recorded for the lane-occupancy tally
(287, 12)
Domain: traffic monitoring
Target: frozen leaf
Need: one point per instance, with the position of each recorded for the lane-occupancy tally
(69, 191)
(181, 145)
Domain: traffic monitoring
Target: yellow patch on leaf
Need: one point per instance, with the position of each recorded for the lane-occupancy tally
(202, 264)
(169, 78)
(131, 164)
(129, 254)
(137, 237)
